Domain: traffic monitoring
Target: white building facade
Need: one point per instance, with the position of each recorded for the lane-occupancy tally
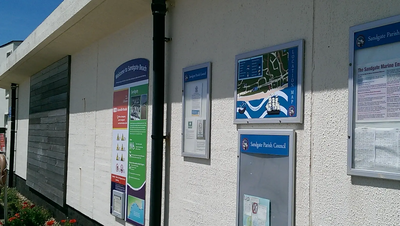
(100, 35)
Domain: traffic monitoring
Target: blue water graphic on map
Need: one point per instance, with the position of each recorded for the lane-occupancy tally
(137, 214)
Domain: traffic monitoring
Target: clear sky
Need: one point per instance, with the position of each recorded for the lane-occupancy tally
(18, 18)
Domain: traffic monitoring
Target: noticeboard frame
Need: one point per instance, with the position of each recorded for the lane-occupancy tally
(290, 173)
(294, 113)
(378, 42)
(194, 71)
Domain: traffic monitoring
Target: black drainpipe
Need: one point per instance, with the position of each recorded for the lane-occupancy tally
(159, 9)
(12, 135)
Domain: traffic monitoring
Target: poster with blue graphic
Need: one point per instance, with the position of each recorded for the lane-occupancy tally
(269, 85)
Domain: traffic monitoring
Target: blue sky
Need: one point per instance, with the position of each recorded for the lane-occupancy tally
(18, 18)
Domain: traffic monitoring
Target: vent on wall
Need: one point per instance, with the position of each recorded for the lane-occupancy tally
(8, 53)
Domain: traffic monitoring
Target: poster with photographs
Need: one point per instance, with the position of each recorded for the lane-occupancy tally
(196, 111)
(129, 144)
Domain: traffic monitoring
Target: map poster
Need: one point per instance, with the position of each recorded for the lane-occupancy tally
(256, 211)
(268, 85)
(129, 145)
(196, 113)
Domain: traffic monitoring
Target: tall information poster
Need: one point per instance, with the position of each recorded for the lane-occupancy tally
(196, 111)
(269, 85)
(128, 178)
(374, 99)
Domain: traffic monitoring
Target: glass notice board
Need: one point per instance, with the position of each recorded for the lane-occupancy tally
(196, 111)
(374, 99)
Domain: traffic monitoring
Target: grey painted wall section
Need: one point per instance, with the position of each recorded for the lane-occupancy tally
(47, 140)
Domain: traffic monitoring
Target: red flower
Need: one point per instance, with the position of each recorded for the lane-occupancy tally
(16, 215)
(11, 219)
(33, 205)
(72, 221)
(51, 222)
(63, 221)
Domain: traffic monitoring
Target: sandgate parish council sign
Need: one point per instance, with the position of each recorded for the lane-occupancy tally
(265, 144)
(128, 178)
(265, 177)
(268, 85)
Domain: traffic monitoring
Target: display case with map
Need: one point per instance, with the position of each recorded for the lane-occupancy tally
(269, 85)
(374, 99)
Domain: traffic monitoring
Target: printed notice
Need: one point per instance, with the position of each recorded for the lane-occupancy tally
(378, 91)
(256, 211)
(196, 99)
(377, 148)
(386, 149)
(195, 123)
(364, 147)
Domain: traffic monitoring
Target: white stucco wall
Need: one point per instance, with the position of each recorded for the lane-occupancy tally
(22, 129)
(90, 131)
(203, 192)
(336, 198)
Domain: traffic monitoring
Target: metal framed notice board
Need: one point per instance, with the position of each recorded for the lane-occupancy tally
(374, 99)
(268, 85)
(265, 194)
(196, 111)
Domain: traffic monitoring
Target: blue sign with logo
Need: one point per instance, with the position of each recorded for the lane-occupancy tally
(377, 36)
(264, 144)
(131, 71)
(197, 74)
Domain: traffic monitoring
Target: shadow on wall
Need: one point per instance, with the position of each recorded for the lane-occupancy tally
(375, 182)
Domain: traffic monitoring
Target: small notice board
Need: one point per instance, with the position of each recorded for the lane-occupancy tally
(265, 178)
(374, 99)
(196, 110)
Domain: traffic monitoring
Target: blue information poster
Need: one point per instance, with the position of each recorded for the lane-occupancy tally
(268, 85)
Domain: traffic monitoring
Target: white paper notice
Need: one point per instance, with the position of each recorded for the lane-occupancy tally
(364, 147)
(378, 91)
(377, 148)
(386, 150)
(197, 99)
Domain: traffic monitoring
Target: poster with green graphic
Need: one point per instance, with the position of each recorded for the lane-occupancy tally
(136, 174)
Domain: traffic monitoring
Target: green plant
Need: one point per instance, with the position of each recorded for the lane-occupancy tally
(21, 212)
(29, 215)
(14, 204)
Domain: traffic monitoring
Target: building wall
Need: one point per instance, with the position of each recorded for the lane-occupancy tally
(48, 130)
(203, 192)
(22, 127)
(209, 34)
(336, 198)
(90, 139)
